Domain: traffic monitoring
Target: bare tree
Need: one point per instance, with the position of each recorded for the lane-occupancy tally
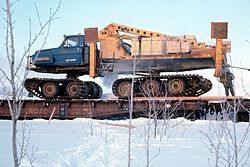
(156, 109)
(215, 135)
(131, 109)
(225, 143)
(236, 148)
(15, 77)
(24, 144)
(159, 122)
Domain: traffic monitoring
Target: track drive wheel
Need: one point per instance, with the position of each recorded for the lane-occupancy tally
(176, 86)
(50, 89)
(72, 89)
(124, 89)
(195, 82)
(97, 91)
(94, 90)
(33, 84)
(151, 87)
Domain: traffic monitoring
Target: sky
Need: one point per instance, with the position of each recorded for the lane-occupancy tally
(176, 17)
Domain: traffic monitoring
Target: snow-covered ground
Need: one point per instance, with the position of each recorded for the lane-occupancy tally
(104, 143)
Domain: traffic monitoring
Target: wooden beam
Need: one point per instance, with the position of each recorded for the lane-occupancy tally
(92, 60)
(218, 58)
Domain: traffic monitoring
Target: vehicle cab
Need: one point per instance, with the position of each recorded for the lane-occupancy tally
(72, 52)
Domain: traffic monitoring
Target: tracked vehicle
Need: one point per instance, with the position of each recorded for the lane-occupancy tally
(118, 49)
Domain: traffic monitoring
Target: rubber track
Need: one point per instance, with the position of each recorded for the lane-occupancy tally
(203, 86)
(89, 89)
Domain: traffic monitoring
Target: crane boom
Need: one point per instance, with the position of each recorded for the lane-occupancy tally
(113, 29)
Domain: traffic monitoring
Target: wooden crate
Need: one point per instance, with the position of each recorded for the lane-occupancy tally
(185, 47)
(111, 49)
(149, 46)
(179, 44)
(173, 46)
(190, 38)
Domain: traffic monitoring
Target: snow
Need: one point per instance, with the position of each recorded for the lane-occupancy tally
(103, 143)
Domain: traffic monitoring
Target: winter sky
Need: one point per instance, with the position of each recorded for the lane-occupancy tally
(176, 17)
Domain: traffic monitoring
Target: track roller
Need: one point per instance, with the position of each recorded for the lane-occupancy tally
(151, 87)
(122, 88)
(50, 89)
(175, 86)
(73, 89)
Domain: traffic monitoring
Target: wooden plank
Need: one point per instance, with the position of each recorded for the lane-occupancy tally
(193, 98)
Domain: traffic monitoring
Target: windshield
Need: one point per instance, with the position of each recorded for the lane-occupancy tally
(71, 42)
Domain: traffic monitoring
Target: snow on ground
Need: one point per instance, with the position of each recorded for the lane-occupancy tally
(72, 143)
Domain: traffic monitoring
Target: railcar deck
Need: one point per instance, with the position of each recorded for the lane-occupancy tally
(190, 107)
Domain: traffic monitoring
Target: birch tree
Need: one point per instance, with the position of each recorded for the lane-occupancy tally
(14, 77)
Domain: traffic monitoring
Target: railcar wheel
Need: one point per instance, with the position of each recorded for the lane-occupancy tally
(124, 89)
(176, 86)
(50, 89)
(72, 89)
(151, 87)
